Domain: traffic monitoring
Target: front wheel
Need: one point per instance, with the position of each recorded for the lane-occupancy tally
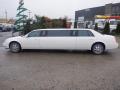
(98, 48)
(15, 47)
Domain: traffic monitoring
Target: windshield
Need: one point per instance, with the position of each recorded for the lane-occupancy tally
(113, 22)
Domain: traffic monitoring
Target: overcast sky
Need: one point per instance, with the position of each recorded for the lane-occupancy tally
(51, 8)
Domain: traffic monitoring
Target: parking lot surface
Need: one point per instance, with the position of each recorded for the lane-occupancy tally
(58, 70)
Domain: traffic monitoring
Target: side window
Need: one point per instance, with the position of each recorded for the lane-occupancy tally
(34, 34)
(58, 33)
(43, 33)
(74, 33)
(90, 34)
(85, 33)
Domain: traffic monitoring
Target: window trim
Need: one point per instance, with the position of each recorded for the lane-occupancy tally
(73, 33)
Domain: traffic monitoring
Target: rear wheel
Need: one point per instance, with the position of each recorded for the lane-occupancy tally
(98, 48)
(15, 47)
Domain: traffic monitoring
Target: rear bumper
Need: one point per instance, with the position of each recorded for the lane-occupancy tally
(113, 46)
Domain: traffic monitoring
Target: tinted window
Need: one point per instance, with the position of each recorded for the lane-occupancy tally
(74, 32)
(85, 33)
(34, 34)
(43, 33)
(55, 33)
(90, 33)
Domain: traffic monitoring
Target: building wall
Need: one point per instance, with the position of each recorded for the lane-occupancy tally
(89, 14)
(108, 9)
(116, 9)
(8, 21)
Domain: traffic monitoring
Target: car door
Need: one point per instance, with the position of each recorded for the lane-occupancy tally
(58, 39)
(85, 39)
(31, 41)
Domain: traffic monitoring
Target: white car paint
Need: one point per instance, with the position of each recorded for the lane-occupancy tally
(65, 43)
(57, 42)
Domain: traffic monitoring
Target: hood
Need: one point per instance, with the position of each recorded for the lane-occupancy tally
(13, 38)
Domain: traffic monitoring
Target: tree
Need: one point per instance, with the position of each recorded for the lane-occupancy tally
(57, 23)
(118, 28)
(64, 22)
(75, 24)
(96, 27)
(36, 23)
(21, 18)
(45, 22)
(106, 28)
(41, 22)
(27, 27)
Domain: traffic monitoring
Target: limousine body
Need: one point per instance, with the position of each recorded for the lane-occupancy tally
(62, 39)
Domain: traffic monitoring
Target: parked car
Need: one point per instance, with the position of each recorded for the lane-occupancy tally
(62, 39)
(1, 29)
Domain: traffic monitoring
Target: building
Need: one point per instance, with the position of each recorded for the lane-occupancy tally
(6, 24)
(88, 15)
(7, 21)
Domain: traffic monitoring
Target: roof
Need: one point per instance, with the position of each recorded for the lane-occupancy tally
(63, 29)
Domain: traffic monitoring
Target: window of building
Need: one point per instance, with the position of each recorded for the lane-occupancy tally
(113, 10)
(117, 8)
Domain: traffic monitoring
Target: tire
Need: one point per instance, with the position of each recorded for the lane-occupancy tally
(98, 48)
(15, 47)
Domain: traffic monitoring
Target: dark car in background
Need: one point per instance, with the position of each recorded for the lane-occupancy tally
(4, 28)
(1, 29)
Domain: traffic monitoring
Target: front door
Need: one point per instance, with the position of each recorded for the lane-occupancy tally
(32, 41)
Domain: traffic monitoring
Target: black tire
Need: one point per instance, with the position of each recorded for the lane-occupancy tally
(15, 47)
(98, 48)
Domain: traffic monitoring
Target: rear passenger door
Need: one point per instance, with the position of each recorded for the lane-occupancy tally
(85, 39)
(58, 39)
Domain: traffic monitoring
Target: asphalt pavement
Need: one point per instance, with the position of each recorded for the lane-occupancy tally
(58, 70)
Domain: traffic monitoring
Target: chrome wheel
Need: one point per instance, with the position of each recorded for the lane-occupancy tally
(15, 47)
(98, 49)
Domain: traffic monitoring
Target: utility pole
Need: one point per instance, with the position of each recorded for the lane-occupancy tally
(6, 16)
(29, 14)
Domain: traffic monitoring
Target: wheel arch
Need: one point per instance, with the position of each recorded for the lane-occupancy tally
(98, 43)
(15, 42)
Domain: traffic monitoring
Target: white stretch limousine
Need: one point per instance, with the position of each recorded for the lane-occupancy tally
(62, 39)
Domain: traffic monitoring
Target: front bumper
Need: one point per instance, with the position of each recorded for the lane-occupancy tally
(5, 45)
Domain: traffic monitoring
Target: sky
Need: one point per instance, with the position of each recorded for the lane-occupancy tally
(50, 8)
